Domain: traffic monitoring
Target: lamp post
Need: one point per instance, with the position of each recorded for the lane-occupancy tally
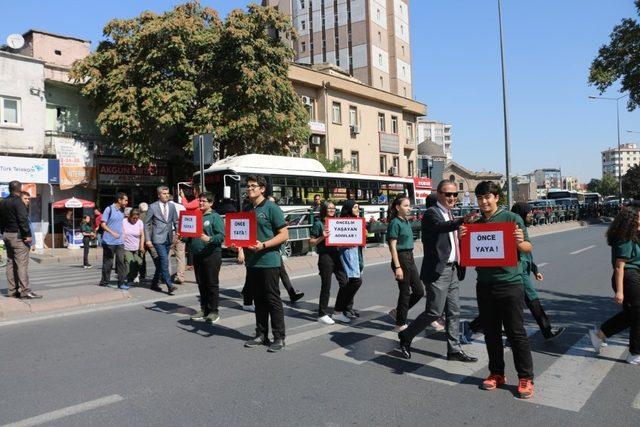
(505, 111)
(618, 127)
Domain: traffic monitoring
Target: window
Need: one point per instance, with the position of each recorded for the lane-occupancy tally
(452, 178)
(402, 29)
(303, 46)
(379, 59)
(378, 14)
(303, 25)
(402, 47)
(396, 163)
(381, 122)
(58, 52)
(404, 91)
(410, 132)
(355, 161)
(353, 116)
(301, 4)
(461, 186)
(309, 105)
(381, 82)
(394, 124)
(404, 71)
(410, 168)
(383, 164)
(10, 112)
(337, 154)
(337, 113)
(379, 37)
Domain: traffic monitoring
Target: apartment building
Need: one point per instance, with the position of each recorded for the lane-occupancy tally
(374, 131)
(629, 157)
(369, 39)
(438, 132)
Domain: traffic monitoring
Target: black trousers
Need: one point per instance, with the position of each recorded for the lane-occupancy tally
(108, 253)
(286, 282)
(329, 265)
(247, 295)
(411, 289)
(501, 305)
(86, 241)
(207, 271)
(263, 285)
(346, 294)
(629, 317)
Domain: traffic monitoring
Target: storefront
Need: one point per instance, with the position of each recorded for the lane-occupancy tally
(138, 182)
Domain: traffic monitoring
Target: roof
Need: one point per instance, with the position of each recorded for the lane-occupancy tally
(430, 149)
(479, 175)
(49, 33)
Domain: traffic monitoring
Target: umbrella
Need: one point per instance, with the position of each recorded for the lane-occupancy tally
(73, 203)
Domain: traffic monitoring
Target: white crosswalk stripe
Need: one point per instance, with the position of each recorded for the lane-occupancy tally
(636, 402)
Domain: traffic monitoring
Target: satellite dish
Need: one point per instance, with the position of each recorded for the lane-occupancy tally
(15, 41)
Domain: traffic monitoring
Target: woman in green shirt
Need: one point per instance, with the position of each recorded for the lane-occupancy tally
(87, 236)
(403, 265)
(624, 238)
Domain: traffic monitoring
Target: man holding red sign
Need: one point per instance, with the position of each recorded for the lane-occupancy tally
(500, 293)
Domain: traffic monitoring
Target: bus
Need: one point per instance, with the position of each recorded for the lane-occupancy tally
(573, 195)
(294, 181)
(592, 198)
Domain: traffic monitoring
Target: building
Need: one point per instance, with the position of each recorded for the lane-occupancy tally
(524, 188)
(373, 130)
(438, 132)
(467, 180)
(611, 163)
(431, 160)
(548, 178)
(369, 39)
(570, 183)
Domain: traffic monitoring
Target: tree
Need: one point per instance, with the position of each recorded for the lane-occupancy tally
(157, 80)
(619, 61)
(608, 185)
(594, 185)
(631, 183)
(335, 165)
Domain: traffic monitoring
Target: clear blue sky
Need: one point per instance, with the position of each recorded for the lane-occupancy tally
(549, 47)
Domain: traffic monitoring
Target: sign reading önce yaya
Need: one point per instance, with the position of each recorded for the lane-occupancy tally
(346, 232)
(240, 229)
(190, 223)
(489, 245)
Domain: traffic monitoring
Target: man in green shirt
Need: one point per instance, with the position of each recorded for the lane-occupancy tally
(263, 263)
(500, 294)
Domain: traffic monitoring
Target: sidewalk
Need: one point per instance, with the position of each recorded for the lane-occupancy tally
(79, 298)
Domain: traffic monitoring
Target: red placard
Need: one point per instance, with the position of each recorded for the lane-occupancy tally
(240, 229)
(190, 223)
(489, 245)
(346, 231)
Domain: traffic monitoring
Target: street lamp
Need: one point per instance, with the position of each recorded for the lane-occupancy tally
(619, 151)
(505, 112)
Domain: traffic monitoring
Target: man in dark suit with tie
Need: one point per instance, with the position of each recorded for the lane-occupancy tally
(441, 273)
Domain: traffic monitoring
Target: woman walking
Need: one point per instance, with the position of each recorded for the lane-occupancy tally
(133, 232)
(328, 261)
(403, 265)
(87, 236)
(624, 238)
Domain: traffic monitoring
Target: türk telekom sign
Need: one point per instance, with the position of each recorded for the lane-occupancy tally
(26, 169)
(123, 172)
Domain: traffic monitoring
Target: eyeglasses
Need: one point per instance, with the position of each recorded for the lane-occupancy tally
(448, 194)
(252, 186)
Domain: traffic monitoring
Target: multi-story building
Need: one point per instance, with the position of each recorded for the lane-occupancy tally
(374, 131)
(369, 39)
(438, 132)
(629, 157)
(548, 178)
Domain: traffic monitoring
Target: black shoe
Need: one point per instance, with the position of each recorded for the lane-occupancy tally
(352, 314)
(276, 346)
(296, 296)
(461, 356)
(171, 290)
(155, 288)
(405, 347)
(103, 285)
(258, 340)
(31, 295)
(555, 333)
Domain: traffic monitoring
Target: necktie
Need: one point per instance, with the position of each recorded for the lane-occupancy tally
(456, 242)
(164, 211)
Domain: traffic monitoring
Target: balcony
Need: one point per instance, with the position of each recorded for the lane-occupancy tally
(52, 136)
(410, 143)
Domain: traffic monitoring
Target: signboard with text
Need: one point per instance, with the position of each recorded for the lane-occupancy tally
(489, 245)
(190, 223)
(28, 169)
(240, 229)
(346, 232)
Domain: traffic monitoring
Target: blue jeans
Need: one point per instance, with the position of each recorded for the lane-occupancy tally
(162, 264)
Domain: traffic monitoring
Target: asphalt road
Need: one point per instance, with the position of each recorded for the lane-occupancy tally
(151, 365)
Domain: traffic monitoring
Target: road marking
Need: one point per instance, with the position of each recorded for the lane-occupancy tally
(66, 412)
(636, 402)
(542, 264)
(349, 353)
(582, 250)
(578, 370)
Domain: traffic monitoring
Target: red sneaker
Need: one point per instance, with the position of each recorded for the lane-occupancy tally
(525, 388)
(493, 381)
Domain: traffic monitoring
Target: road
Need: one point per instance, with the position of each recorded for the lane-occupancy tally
(150, 365)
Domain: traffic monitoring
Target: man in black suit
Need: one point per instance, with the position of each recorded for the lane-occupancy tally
(441, 273)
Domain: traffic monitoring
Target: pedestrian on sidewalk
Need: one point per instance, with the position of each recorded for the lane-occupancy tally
(97, 229)
(87, 236)
(353, 265)
(500, 294)
(623, 236)
(14, 226)
(113, 242)
(441, 272)
(161, 223)
(26, 199)
(207, 259)
(142, 273)
(403, 265)
(328, 261)
(263, 264)
(133, 230)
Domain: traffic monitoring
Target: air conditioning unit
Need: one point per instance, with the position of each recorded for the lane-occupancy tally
(355, 129)
(393, 170)
(316, 140)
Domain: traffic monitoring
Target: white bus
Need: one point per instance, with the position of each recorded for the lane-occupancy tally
(294, 181)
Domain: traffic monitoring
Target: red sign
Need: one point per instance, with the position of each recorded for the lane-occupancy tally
(240, 229)
(489, 245)
(422, 183)
(346, 232)
(190, 223)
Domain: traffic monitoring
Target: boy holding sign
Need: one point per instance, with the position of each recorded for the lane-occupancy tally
(500, 294)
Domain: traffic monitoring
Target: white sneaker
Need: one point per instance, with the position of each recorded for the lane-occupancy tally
(326, 320)
(393, 313)
(437, 325)
(398, 329)
(136, 280)
(339, 317)
(596, 341)
(634, 359)
(248, 308)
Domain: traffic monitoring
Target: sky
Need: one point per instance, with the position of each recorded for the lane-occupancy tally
(549, 46)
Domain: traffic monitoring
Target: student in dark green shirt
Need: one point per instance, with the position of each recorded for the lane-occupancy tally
(403, 265)
(500, 294)
(207, 259)
(87, 236)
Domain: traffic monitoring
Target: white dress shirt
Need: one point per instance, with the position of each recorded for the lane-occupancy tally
(447, 216)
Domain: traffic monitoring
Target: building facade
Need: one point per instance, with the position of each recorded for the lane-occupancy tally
(372, 130)
(369, 39)
(611, 163)
(438, 132)
(467, 181)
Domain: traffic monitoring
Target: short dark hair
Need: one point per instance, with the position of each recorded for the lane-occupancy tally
(25, 193)
(15, 187)
(488, 187)
(121, 195)
(134, 211)
(258, 179)
(207, 195)
(444, 182)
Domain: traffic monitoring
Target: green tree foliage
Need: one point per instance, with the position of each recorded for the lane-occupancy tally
(336, 165)
(157, 80)
(619, 60)
(608, 185)
(631, 183)
(593, 186)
